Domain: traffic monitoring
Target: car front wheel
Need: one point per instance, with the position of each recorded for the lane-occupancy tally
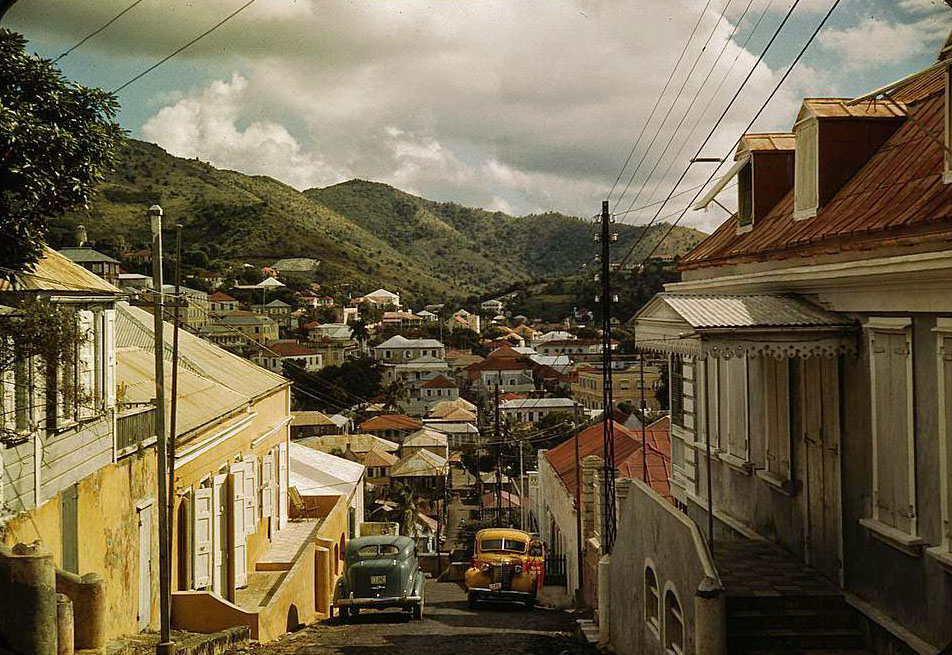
(472, 601)
(418, 611)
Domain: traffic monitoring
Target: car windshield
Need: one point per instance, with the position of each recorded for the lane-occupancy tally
(372, 551)
(511, 545)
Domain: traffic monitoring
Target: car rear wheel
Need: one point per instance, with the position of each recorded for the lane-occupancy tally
(472, 601)
(344, 614)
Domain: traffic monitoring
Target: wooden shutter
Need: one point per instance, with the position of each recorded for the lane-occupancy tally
(202, 538)
(777, 415)
(806, 170)
(890, 407)
(267, 485)
(109, 341)
(239, 548)
(946, 353)
(736, 393)
(86, 364)
(282, 484)
(251, 495)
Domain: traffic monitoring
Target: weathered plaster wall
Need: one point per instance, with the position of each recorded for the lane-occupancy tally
(108, 534)
(650, 529)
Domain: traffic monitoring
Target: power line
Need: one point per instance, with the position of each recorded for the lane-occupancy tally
(95, 32)
(644, 126)
(717, 124)
(710, 101)
(677, 99)
(759, 112)
(187, 45)
(690, 106)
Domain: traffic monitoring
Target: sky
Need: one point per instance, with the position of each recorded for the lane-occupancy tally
(521, 106)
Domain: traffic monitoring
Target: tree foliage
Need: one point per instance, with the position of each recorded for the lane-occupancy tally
(57, 141)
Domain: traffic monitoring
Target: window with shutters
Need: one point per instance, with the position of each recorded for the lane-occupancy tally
(891, 396)
(806, 170)
(673, 623)
(943, 330)
(745, 198)
(652, 599)
(732, 411)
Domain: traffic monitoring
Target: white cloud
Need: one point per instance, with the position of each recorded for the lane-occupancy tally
(205, 125)
(530, 105)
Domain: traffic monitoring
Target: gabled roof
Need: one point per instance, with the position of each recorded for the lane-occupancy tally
(897, 198)
(315, 473)
(838, 108)
(425, 437)
(289, 349)
(218, 296)
(379, 458)
(309, 418)
(56, 272)
(539, 403)
(85, 254)
(767, 141)
(420, 463)
(390, 422)
(445, 407)
(277, 303)
(439, 382)
(358, 443)
(701, 311)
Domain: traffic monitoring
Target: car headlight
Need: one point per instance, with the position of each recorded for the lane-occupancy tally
(518, 568)
(484, 568)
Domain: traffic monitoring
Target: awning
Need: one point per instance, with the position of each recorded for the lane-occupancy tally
(708, 197)
(721, 325)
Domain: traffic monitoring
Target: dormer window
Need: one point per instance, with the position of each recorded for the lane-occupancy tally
(745, 198)
(806, 173)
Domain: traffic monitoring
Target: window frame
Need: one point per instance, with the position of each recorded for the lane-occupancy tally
(943, 551)
(906, 540)
(775, 386)
(652, 620)
(745, 190)
(677, 613)
(676, 386)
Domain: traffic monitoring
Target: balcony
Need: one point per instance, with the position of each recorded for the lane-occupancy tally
(135, 428)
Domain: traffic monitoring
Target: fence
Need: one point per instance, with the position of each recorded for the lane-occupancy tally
(555, 571)
(135, 427)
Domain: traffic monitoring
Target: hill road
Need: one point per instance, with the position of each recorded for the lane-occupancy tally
(448, 627)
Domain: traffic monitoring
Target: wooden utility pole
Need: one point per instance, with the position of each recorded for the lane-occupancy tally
(164, 646)
(608, 425)
(173, 409)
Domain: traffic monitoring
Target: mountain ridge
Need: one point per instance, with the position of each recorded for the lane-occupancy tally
(365, 233)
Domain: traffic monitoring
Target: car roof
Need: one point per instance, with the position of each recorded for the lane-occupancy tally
(503, 533)
(380, 540)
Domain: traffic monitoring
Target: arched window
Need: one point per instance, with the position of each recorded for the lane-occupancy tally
(652, 598)
(673, 623)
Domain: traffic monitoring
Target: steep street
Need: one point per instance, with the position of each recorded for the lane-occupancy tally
(449, 627)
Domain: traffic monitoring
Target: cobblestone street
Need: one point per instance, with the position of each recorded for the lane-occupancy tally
(449, 627)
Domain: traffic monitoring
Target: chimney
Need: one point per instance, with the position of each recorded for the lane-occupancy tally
(590, 466)
(81, 237)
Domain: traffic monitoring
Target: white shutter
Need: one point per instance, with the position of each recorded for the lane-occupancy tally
(109, 340)
(267, 485)
(806, 171)
(251, 496)
(86, 364)
(239, 548)
(282, 484)
(202, 538)
(8, 397)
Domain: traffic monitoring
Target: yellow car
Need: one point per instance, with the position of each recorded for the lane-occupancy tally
(502, 567)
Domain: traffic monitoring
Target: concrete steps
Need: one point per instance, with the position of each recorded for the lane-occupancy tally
(792, 625)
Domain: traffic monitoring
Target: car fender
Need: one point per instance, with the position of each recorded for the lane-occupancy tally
(340, 589)
(418, 583)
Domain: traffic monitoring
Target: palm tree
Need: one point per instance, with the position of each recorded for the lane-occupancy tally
(360, 333)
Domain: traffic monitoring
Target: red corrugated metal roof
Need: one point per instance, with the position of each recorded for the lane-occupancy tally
(628, 458)
(390, 422)
(897, 194)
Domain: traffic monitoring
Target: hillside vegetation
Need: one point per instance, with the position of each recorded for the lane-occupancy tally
(365, 234)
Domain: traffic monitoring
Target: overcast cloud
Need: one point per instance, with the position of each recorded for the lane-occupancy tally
(515, 105)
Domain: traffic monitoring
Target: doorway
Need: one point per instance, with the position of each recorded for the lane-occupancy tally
(144, 617)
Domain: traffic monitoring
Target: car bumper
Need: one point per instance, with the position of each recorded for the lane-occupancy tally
(499, 594)
(379, 603)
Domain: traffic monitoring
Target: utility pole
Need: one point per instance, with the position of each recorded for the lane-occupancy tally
(173, 409)
(522, 490)
(164, 646)
(498, 463)
(608, 425)
(580, 566)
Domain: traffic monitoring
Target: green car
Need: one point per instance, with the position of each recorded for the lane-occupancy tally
(381, 572)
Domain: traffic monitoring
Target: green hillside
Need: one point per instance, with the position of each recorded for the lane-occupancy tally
(449, 235)
(365, 234)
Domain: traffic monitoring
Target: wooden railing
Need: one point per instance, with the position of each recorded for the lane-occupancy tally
(135, 427)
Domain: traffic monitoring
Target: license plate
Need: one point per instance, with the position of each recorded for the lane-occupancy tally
(495, 586)
(378, 579)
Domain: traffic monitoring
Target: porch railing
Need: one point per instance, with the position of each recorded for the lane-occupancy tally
(135, 427)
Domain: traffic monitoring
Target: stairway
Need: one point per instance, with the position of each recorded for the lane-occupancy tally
(778, 606)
